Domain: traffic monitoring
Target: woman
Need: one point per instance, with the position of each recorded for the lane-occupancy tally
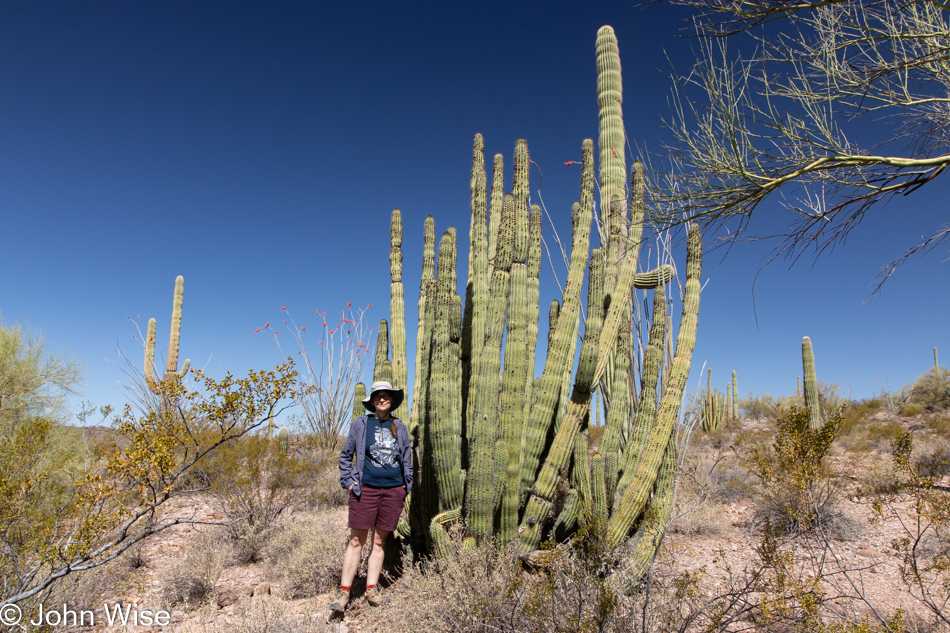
(376, 467)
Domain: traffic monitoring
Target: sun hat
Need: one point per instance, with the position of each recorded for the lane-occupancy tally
(382, 385)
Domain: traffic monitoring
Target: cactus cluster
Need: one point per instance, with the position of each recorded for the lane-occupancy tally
(712, 409)
(172, 373)
(501, 453)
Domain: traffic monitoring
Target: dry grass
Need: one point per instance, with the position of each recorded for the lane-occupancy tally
(193, 578)
(306, 553)
(255, 616)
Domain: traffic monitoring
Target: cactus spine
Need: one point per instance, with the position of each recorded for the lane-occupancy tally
(811, 385)
(171, 367)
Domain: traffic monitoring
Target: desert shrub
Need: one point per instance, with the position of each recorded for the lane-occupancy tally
(193, 578)
(932, 390)
(731, 481)
(911, 410)
(800, 489)
(939, 424)
(923, 546)
(307, 553)
(255, 616)
(882, 432)
(255, 482)
(757, 407)
(703, 518)
(854, 415)
(486, 587)
(248, 545)
(933, 458)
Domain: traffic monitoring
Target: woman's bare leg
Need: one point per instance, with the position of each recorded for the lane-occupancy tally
(351, 558)
(376, 555)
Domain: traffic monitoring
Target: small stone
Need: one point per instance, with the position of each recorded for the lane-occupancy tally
(262, 589)
(218, 515)
(228, 597)
(867, 553)
(178, 616)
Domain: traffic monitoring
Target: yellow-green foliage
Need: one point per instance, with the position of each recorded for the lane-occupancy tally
(932, 390)
(257, 482)
(113, 502)
(798, 483)
(855, 415)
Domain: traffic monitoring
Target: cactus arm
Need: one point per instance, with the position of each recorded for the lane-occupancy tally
(485, 425)
(443, 395)
(612, 145)
(174, 338)
(501, 474)
(397, 303)
(811, 385)
(636, 494)
(283, 440)
(497, 202)
(595, 350)
(423, 329)
(580, 472)
(546, 391)
(477, 287)
(735, 396)
(661, 508)
(150, 358)
(646, 407)
(359, 394)
(598, 489)
(654, 278)
(567, 518)
(514, 379)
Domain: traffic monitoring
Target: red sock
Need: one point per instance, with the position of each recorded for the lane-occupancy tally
(369, 588)
(346, 589)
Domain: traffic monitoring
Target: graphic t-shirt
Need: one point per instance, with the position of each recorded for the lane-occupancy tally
(381, 468)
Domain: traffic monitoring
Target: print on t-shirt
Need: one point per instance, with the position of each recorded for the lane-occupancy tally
(384, 450)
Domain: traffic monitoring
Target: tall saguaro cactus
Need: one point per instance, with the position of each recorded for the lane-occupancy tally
(171, 367)
(811, 385)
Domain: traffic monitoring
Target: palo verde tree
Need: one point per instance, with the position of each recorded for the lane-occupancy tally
(60, 518)
(842, 105)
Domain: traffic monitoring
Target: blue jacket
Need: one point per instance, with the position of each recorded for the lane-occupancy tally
(353, 454)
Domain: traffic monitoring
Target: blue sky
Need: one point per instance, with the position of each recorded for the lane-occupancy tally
(258, 149)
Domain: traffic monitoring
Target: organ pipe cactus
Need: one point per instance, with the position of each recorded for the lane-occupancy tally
(811, 385)
(735, 396)
(172, 373)
(397, 303)
(502, 453)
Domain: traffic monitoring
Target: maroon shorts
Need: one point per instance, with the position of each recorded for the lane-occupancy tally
(377, 508)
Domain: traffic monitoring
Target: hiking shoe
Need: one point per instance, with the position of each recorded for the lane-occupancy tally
(340, 601)
(374, 597)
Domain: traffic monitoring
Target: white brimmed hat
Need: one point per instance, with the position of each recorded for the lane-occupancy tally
(382, 385)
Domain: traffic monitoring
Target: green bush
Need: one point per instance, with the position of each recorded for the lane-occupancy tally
(854, 415)
(932, 390)
(801, 490)
(257, 483)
